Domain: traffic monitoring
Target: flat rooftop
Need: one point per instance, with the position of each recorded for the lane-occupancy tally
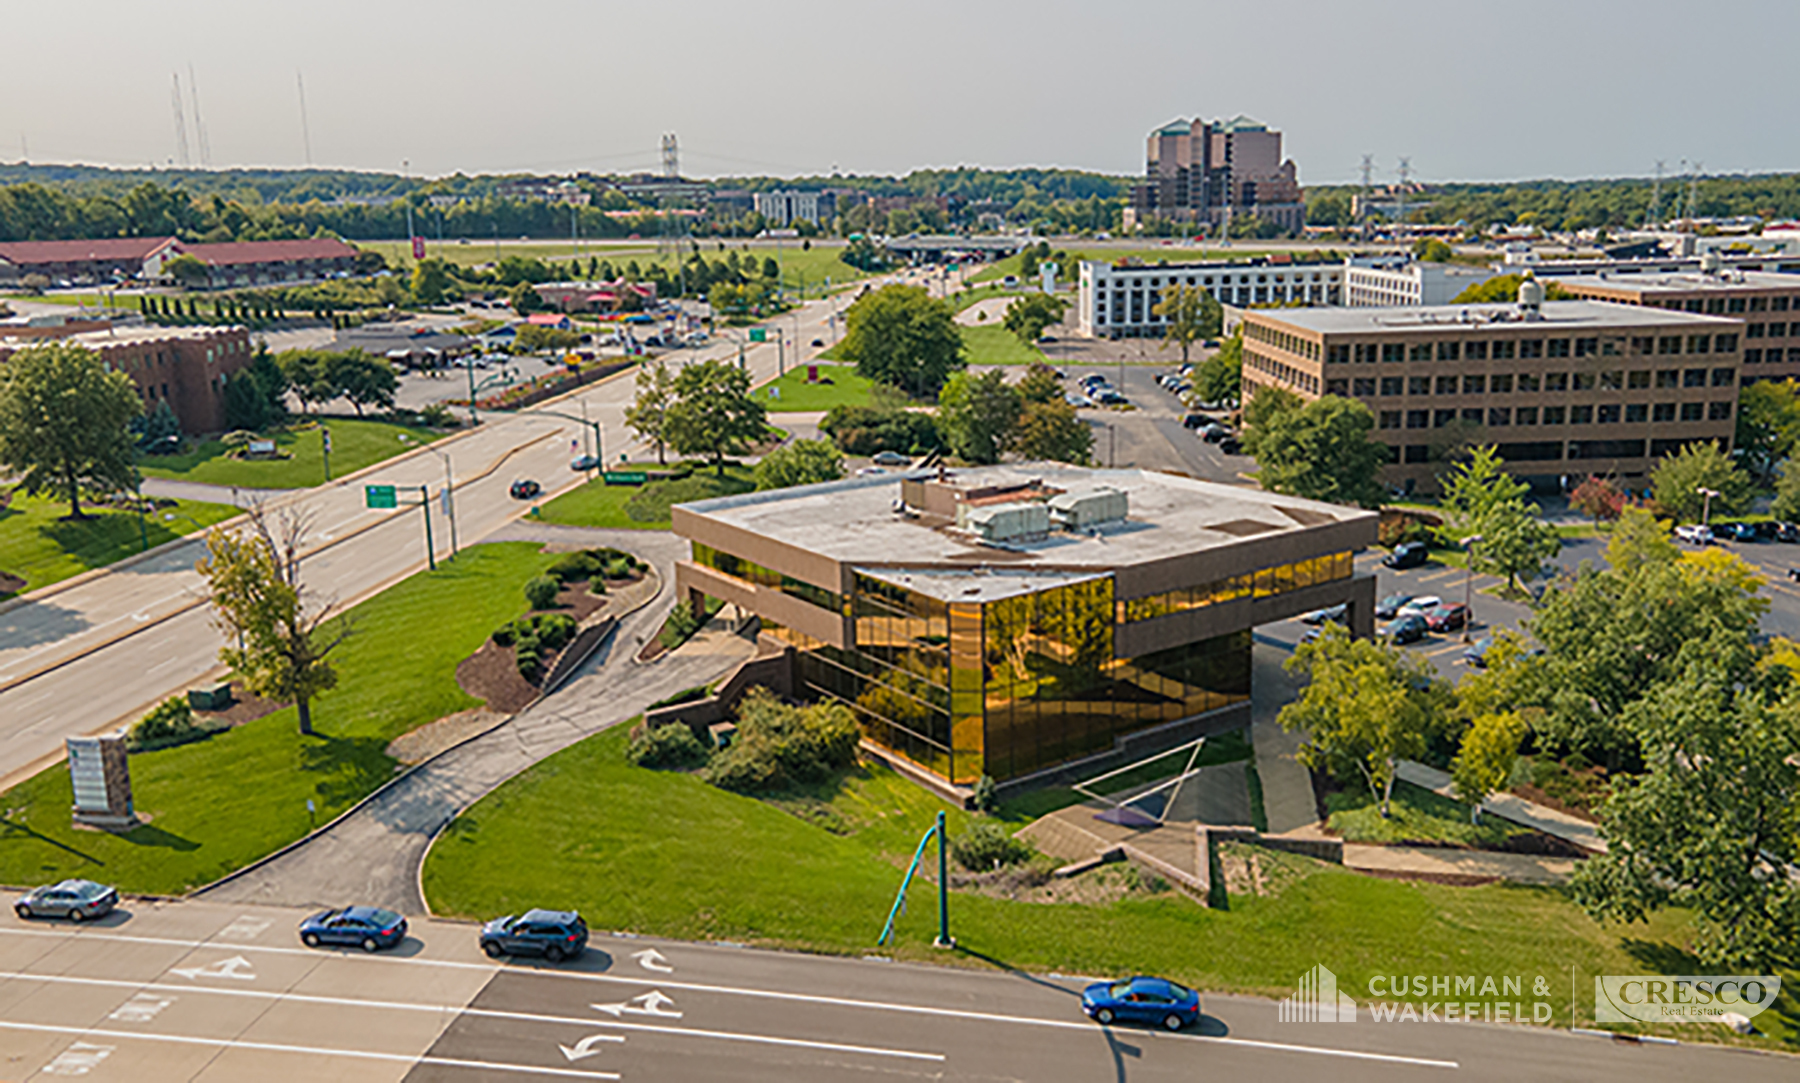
(1685, 281)
(1569, 316)
(859, 521)
(129, 336)
(1260, 263)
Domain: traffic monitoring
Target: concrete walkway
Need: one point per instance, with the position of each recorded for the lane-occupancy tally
(1445, 861)
(373, 855)
(210, 494)
(1513, 807)
(1286, 783)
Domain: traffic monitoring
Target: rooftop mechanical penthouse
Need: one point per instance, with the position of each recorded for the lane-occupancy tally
(1025, 621)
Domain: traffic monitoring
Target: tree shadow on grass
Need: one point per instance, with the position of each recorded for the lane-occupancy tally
(348, 768)
(12, 829)
(1661, 957)
(151, 835)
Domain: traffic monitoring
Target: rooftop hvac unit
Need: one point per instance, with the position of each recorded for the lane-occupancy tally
(1004, 522)
(1083, 509)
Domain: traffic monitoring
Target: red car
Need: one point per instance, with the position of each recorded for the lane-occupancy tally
(1447, 618)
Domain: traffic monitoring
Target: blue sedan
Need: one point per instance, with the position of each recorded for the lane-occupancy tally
(1156, 1001)
(366, 927)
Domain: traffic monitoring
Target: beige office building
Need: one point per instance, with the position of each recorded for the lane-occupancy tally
(1768, 303)
(1563, 388)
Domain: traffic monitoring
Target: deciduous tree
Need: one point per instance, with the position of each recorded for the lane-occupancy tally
(1051, 430)
(1027, 316)
(648, 414)
(65, 422)
(902, 336)
(1679, 479)
(1220, 378)
(713, 414)
(1320, 451)
(803, 462)
(1768, 424)
(976, 415)
(1189, 315)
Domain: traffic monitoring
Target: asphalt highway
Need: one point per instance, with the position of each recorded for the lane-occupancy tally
(200, 991)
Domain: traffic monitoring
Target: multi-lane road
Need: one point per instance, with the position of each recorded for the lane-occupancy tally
(199, 991)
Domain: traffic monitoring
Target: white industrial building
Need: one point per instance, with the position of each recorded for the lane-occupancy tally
(1117, 301)
(1390, 281)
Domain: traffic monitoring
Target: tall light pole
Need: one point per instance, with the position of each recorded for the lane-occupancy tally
(1706, 511)
(449, 494)
(1469, 544)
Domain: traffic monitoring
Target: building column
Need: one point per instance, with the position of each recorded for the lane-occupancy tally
(1361, 614)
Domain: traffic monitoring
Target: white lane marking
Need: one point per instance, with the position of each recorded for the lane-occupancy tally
(585, 1047)
(246, 927)
(485, 1013)
(141, 1008)
(767, 994)
(651, 959)
(315, 1050)
(79, 1059)
(236, 967)
(651, 1003)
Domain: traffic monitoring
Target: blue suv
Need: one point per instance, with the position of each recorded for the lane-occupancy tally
(554, 934)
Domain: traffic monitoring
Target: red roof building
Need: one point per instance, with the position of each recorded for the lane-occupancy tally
(81, 261)
(247, 263)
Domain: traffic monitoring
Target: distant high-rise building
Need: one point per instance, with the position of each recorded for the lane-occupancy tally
(1209, 171)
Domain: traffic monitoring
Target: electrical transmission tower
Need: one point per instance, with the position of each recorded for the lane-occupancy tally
(305, 128)
(671, 156)
(201, 142)
(181, 143)
(1362, 195)
(1650, 216)
(1405, 172)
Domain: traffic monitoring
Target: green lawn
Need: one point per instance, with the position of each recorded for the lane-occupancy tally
(39, 546)
(642, 507)
(218, 804)
(1415, 815)
(992, 344)
(354, 445)
(845, 389)
(661, 853)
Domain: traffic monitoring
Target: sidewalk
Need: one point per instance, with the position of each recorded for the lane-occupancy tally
(1512, 807)
(1444, 861)
(1286, 783)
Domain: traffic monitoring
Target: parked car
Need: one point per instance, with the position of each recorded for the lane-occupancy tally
(870, 471)
(77, 900)
(1231, 445)
(365, 927)
(1093, 380)
(1156, 1001)
(524, 489)
(892, 458)
(1477, 652)
(1787, 532)
(1407, 629)
(1766, 530)
(1694, 534)
(1388, 606)
(554, 934)
(1106, 396)
(818, 343)
(1195, 421)
(1407, 555)
(582, 463)
(1215, 432)
(1419, 606)
(1447, 618)
(1078, 400)
(1735, 532)
(1330, 613)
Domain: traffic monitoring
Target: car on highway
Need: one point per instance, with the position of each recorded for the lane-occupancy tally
(1409, 628)
(524, 489)
(1407, 555)
(1388, 606)
(77, 900)
(891, 458)
(1335, 613)
(1141, 999)
(1447, 618)
(367, 927)
(554, 934)
(1694, 534)
(582, 463)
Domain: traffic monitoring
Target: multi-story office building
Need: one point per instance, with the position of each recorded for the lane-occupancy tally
(1208, 171)
(1768, 303)
(1562, 387)
(1025, 621)
(1119, 300)
(186, 367)
(1390, 281)
(781, 207)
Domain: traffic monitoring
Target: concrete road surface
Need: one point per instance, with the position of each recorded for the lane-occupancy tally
(201, 991)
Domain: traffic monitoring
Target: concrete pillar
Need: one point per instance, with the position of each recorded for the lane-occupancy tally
(1362, 607)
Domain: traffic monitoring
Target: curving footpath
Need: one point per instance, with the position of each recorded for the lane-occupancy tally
(372, 855)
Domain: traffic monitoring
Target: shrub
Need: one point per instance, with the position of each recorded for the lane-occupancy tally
(865, 430)
(686, 695)
(778, 745)
(985, 795)
(534, 636)
(540, 591)
(680, 626)
(985, 845)
(673, 745)
(574, 567)
(169, 722)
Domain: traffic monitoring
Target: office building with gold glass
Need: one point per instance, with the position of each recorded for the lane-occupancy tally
(1026, 621)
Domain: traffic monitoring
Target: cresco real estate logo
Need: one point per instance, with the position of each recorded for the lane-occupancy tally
(1662, 998)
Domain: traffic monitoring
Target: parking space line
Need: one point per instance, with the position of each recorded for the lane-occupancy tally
(319, 1051)
(486, 1013)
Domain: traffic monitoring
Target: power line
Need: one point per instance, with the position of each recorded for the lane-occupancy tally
(305, 128)
(204, 145)
(181, 140)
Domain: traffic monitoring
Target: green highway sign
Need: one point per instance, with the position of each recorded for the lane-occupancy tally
(380, 496)
(624, 477)
(759, 334)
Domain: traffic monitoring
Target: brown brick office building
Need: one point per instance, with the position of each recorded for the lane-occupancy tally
(1768, 303)
(188, 367)
(1565, 388)
(1030, 620)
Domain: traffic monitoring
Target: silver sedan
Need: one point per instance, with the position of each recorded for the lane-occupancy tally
(76, 900)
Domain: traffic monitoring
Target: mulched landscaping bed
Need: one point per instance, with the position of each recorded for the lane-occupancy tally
(244, 708)
(492, 673)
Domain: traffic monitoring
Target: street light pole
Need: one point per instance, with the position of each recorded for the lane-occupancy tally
(449, 496)
(1706, 512)
(1469, 544)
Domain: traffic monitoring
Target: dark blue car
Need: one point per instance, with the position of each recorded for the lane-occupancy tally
(365, 927)
(1156, 1001)
(554, 934)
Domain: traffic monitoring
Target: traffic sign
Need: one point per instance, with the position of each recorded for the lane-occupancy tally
(624, 477)
(759, 334)
(380, 496)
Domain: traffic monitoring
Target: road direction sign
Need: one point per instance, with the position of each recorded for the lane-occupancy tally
(651, 959)
(380, 496)
(652, 1003)
(235, 967)
(759, 334)
(585, 1047)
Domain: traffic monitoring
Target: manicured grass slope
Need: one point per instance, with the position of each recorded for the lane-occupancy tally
(1415, 814)
(662, 853)
(992, 344)
(354, 445)
(597, 504)
(845, 389)
(40, 546)
(218, 804)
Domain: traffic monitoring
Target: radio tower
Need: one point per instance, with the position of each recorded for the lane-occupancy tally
(671, 156)
(1650, 216)
(305, 128)
(200, 139)
(181, 143)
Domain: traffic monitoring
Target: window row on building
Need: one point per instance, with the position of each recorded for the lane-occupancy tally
(749, 571)
(1721, 306)
(1523, 349)
(1263, 583)
(1530, 383)
(1283, 372)
(1771, 330)
(1542, 451)
(1605, 413)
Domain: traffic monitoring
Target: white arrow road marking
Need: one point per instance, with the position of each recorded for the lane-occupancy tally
(244, 928)
(79, 1059)
(141, 1008)
(585, 1047)
(235, 967)
(650, 1003)
(651, 959)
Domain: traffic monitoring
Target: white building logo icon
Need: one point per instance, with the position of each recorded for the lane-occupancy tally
(1316, 1000)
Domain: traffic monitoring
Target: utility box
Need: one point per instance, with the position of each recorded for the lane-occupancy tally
(1084, 509)
(216, 698)
(100, 774)
(1004, 522)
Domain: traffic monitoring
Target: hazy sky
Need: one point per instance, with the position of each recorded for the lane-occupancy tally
(1469, 91)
